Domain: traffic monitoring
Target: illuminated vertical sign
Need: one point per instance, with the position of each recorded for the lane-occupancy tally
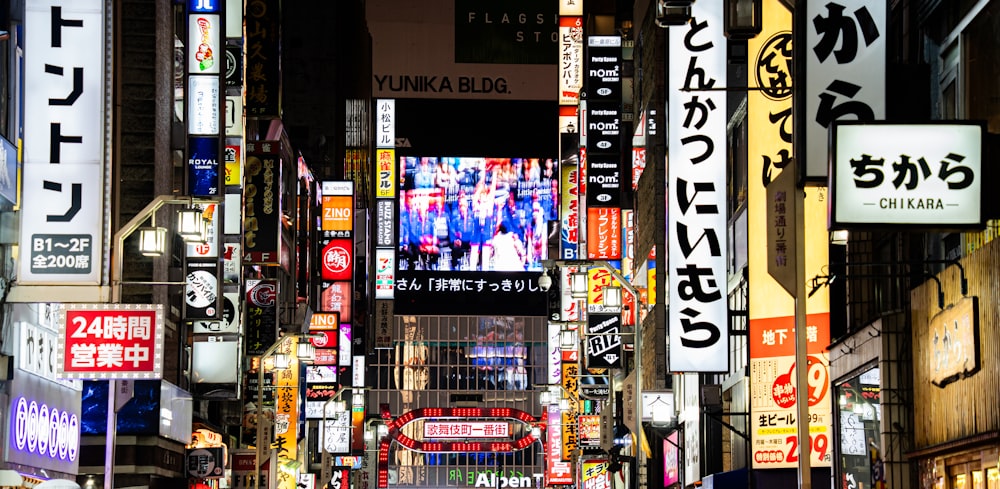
(262, 203)
(286, 400)
(698, 313)
(771, 308)
(385, 273)
(570, 60)
(263, 81)
(844, 73)
(385, 123)
(204, 98)
(64, 153)
(569, 168)
(604, 233)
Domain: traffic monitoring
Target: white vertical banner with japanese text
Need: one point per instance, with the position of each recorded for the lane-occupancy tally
(62, 216)
(844, 73)
(696, 184)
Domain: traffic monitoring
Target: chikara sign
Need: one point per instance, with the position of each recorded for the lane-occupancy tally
(907, 174)
(110, 341)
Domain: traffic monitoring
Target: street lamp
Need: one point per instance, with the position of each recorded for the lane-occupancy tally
(616, 295)
(338, 406)
(555, 395)
(271, 351)
(152, 242)
(152, 239)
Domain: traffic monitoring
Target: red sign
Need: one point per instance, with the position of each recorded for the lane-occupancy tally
(110, 341)
(338, 260)
(604, 233)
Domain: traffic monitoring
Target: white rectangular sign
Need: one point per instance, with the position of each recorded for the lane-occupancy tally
(907, 174)
(203, 106)
(64, 154)
(461, 430)
(698, 327)
(385, 123)
(845, 54)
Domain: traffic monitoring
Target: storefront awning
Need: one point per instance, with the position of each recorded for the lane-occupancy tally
(10, 478)
(57, 484)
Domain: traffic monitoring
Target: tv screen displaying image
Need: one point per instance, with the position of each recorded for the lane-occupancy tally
(476, 214)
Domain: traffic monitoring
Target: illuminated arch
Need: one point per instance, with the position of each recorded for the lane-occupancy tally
(395, 434)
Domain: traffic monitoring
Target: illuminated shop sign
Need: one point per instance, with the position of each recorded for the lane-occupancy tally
(696, 176)
(43, 420)
(466, 429)
(64, 154)
(110, 341)
(43, 430)
(907, 174)
(385, 124)
(844, 72)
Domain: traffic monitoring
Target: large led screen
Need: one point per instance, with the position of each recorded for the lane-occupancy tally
(476, 214)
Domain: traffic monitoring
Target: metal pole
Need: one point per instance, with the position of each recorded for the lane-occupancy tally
(324, 474)
(259, 442)
(801, 344)
(118, 254)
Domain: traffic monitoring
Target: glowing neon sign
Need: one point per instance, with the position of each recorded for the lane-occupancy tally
(46, 431)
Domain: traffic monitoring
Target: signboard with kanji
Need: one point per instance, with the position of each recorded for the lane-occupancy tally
(110, 341)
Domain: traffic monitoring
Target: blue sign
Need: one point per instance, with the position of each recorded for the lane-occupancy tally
(8, 171)
(204, 6)
(203, 167)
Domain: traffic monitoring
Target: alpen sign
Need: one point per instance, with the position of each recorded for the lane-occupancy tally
(907, 174)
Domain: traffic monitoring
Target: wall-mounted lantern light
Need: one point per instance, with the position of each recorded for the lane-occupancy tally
(192, 225)
(152, 241)
(742, 19)
(673, 12)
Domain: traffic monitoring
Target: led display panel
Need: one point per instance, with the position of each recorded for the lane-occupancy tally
(476, 214)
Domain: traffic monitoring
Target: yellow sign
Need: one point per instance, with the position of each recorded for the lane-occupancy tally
(385, 173)
(771, 308)
(286, 407)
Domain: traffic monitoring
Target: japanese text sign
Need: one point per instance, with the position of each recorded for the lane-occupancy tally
(844, 73)
(907, 174)
(110, 341)
(696, 261)
(64, 153)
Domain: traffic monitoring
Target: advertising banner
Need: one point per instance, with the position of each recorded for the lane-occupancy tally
(336, 296)
(696, 213)
(570, 60)
(604, 233)
(604, 344)
(771, 308)
(385, 178)
(43, 424)
(570, 386)
(385, 123)
(772, 372)
(569, 167)
(263, 57)
(201, 291)
(262, 206)
(261, 315)
(110, 341)
(935, 178)
(337, 260)
(64, 156)
(843, 73)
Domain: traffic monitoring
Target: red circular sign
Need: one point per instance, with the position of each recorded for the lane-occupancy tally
(337, 260)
